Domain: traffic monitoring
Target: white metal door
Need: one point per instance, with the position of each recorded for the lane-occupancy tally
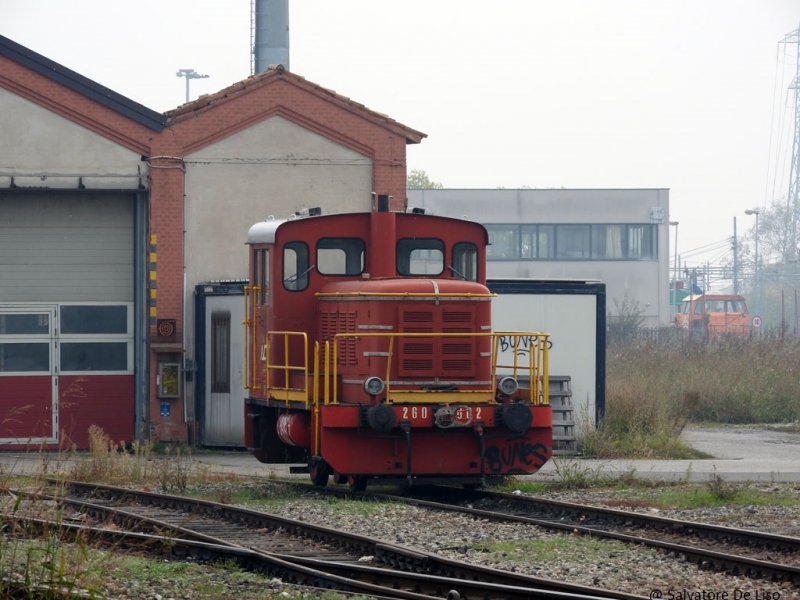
(224, 384)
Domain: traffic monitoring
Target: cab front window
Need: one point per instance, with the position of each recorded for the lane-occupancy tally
(420, 256)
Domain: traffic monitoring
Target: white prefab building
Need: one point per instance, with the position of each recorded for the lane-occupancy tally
(617, 236)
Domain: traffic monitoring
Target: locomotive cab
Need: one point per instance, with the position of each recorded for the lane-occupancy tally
(370, 353)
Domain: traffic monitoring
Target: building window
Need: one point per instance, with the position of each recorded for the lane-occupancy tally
(220, 353)
(24, 357)
(94, 319)
(613, 241)
(95, 338)
(527, 242)
(608, 241)
(503, 242)
(94, 356)
(572, 242)
(24, 324)
(641, 242)
(536, 242)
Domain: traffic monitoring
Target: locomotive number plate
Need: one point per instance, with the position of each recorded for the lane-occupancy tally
(418, 416)
(457, 416)
(464, 416)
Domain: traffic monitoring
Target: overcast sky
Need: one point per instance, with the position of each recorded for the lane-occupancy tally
(690, 95)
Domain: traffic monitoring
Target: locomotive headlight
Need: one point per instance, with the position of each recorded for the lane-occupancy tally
(374, 386)
(517, 417)
(508, 385)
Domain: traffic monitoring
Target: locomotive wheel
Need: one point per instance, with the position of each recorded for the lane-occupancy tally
(357, 483)
(319, 473)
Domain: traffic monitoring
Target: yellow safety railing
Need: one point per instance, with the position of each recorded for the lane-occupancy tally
(536, 368)
(250, 295)
(324, 370)
(287, 393)
(315, 449)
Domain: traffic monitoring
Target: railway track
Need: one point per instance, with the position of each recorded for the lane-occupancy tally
(754, 554)
(295, 551)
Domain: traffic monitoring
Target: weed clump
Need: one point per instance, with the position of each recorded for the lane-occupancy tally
(136, 463)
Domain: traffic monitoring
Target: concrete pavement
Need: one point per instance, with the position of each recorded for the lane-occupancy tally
(740, 454)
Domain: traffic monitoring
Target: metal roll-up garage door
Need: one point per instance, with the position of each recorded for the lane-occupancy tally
(66, 318)
(66, 247)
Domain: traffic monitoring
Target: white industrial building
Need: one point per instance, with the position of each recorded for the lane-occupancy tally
(617, 236)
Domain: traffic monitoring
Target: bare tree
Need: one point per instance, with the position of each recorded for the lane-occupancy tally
(418, 180)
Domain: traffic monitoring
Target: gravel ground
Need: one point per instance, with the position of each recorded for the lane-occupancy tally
(534, 551)
(522, 548)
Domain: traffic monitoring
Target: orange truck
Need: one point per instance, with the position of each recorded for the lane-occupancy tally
(715, 315)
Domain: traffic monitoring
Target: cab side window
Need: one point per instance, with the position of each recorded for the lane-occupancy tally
(465, 261)
(296, 266)
(256, 275)
(264, 276)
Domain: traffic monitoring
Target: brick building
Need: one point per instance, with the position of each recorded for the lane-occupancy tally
(111, 214)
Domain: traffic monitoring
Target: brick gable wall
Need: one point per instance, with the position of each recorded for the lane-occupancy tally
(345, 124)
(327, 115)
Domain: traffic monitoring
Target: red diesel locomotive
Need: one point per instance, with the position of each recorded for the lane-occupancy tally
(370, 353)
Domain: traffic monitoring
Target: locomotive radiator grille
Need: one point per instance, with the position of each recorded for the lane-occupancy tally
(332, 323)
(436, 356)
(457, 321)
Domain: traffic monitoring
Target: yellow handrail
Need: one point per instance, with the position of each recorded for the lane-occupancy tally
(317, 421)
(537, 363)
(250, 295)
(246, 323)
(286, 393)
(397, 390)
(327, 387)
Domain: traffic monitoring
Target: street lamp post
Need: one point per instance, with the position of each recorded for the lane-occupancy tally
(757, 287)
(189, 74)
(675, 263)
